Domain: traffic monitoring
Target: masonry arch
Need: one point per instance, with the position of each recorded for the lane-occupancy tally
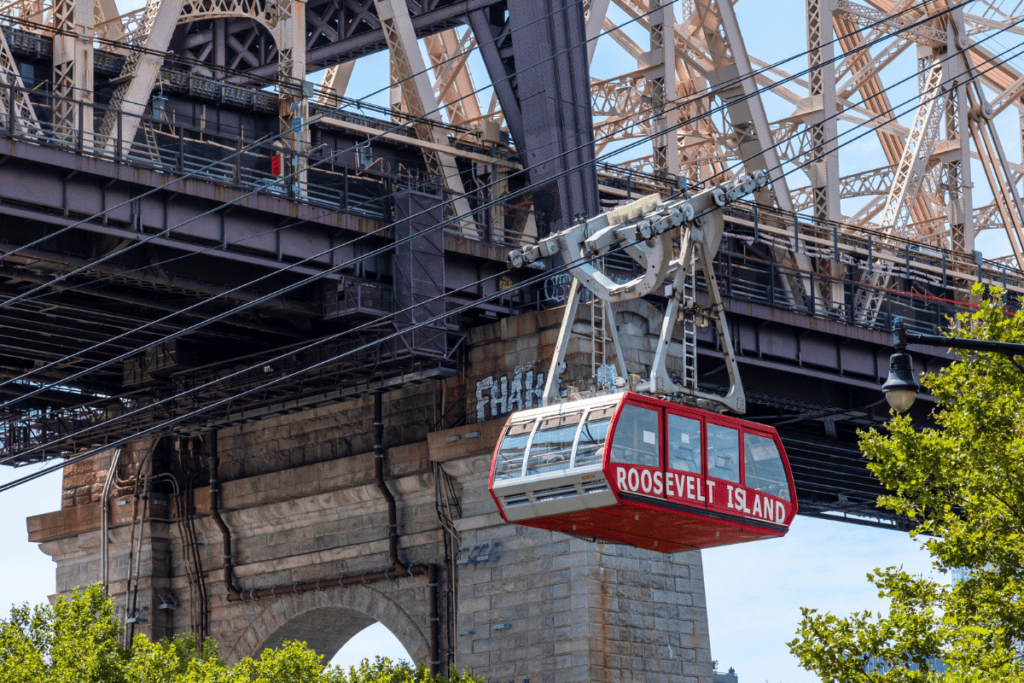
(326, 620)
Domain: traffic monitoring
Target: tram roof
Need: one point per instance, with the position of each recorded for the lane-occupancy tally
(569, 406)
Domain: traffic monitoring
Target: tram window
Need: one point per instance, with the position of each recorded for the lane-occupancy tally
(592, 439)
(636, 437)
(763, 466)
(683, 443)
(723, 453)
(512, 450)
(552, 444)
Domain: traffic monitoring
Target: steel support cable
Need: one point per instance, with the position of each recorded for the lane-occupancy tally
(178, 419)
(181, 418)
(311, 345)
(381, 250)
(272, 138)
(170, 422)
(409, 122)
(373, 343)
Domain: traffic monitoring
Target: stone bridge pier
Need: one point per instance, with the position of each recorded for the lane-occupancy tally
(310, 538)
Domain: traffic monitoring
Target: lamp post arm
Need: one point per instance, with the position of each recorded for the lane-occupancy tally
(1006, 348)
(901, 337)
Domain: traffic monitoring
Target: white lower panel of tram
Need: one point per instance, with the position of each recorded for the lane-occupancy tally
(571, 492)
(549, 460)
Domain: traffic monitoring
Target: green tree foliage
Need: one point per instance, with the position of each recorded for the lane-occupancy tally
(76, 640)
(962, 482)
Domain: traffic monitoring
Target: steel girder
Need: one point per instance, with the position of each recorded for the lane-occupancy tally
(538, 63)
(73, 22)
(453, 84)
(337, 31)
(13, 95)
(139, 74)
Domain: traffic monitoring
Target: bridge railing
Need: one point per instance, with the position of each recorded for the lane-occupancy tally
(242, 160)
(871, 251)
(746, 272)
(744, 277)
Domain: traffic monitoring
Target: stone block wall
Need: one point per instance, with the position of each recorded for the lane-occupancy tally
(324, 434)
(300, 524)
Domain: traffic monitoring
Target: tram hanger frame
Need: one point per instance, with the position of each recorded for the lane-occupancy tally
(643, 229)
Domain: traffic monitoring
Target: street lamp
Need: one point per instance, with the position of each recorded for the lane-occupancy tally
(901, 386)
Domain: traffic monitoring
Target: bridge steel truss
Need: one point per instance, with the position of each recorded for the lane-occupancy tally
(99, 109)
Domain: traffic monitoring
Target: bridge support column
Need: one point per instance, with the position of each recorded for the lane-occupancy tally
(543, 606)
(821, 118)
(542, 81)
(140, 554)
(312, 557)
(663, 88)
(957, 169)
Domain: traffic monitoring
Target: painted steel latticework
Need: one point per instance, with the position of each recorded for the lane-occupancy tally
(851, 47)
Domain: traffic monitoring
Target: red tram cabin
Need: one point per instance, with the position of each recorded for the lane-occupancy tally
(645, 472)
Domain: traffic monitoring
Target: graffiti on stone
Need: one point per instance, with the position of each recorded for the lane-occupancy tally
(489, 551)
(606, 375)
(498, 396)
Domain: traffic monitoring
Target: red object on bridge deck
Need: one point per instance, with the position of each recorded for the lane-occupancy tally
(645, 472)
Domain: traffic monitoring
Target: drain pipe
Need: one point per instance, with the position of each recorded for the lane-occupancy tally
(378, 473)
(214, 461)
(105, 521)
(435, 621)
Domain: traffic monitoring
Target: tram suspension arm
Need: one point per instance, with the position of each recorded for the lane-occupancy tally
(644, 229)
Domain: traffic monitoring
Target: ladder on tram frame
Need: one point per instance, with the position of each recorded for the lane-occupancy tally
(688, 317)
(598, 333)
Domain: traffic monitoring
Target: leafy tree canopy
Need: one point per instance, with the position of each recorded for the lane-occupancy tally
(962, 482)
(76, 640)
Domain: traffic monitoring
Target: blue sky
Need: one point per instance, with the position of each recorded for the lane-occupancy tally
(754, 591)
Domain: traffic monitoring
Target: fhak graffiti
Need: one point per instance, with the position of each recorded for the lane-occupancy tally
(499, 397)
